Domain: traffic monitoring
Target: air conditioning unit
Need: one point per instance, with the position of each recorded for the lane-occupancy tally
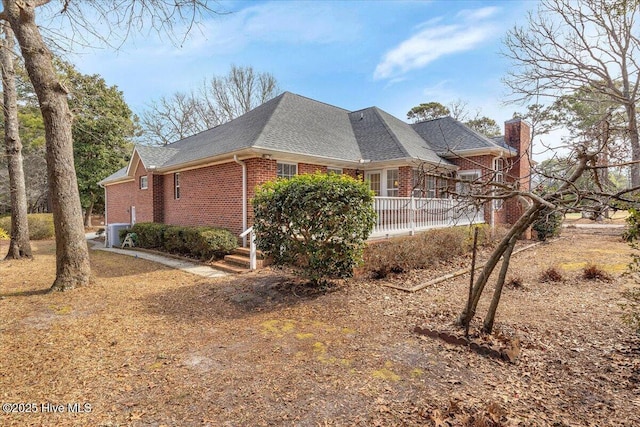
(113, 234)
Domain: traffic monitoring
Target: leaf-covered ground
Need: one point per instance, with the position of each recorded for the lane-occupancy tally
(150, 346)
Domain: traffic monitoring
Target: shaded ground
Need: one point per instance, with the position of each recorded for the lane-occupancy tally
(149, 346)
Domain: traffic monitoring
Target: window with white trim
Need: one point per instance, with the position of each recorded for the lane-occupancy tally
(498, 169)
(286, 170)
(176, 185)
(393, 184)
(335, 171)
(424, 185)
(374, 180)
(144, 182)
(498, 176)
(467, 178)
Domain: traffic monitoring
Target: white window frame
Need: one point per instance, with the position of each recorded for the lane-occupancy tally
(144, 182)
(367, 175)
(176, 186)
(392, 190)
(499, 164)
(463, 188)
(280, 170)
(337, 171)
(429, 189)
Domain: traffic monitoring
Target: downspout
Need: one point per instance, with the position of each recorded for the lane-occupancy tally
(244, 197)
(105, 215)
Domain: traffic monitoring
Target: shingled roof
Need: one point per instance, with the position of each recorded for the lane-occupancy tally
(297, 125)
(448, 136)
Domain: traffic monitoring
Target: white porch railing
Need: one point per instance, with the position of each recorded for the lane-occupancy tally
(252, 247)
(406, 215)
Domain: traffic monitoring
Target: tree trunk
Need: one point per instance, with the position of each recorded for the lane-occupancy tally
(634, 142)
(72, 254)
(514, 232)
(89, 212)
(497, 293)
(19, 247)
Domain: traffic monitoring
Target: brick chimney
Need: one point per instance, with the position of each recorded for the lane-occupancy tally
(517, 134)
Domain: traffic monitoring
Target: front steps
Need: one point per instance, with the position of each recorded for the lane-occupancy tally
(238, 262)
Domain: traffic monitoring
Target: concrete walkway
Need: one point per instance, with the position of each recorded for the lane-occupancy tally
(189, 267)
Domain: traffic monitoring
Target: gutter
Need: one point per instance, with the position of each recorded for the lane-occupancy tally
(106, 208)
(244, 196)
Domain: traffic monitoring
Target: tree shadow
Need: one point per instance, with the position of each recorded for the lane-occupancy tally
(236, 298)
(28, 293)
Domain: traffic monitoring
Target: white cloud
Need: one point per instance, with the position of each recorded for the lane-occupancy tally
(277, 23)
(434, 40)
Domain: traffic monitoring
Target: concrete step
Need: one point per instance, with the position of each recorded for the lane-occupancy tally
(230, 268)
(245, 252)
(239, 260)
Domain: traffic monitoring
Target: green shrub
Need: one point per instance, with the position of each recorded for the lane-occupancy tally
(212, 243)
(150, 234)
(40, 226)
(317, 224)
(199, 242)
(548, 224)
(122, 233)
(402, 254)
(174, 240)
(4, 235)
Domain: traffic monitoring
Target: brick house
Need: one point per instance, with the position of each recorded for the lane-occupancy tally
(210, 178)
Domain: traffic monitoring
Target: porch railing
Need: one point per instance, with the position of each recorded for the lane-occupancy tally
(406, 215)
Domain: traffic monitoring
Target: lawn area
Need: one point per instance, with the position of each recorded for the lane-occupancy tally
(149, 346)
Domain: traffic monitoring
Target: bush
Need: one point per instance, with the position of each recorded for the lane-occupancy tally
(40, 226)
(198, 242)
(317, 224)
(551, 274)
(150, 234)
(4, 235)
(593, 272)
(548, 224)
(207, 242)
(402, 254)
(515, 282)
(122, 233)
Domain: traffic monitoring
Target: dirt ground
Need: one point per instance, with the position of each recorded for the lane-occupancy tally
(150, 346)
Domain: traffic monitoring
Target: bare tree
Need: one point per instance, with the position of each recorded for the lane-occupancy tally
(569, 45)
(19, 246)
(72, 256)
(218, 100)
(564, 197)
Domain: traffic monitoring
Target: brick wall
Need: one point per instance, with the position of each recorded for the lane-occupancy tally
(143, 198)
(213, 195)
(405, 181)
(120, 198)
(259, 171)
(518, 135)
(306, 168)
(208, 196)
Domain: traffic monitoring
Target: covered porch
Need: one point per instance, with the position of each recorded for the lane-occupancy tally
(408, 215)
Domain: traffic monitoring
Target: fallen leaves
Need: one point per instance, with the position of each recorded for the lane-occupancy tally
(152, 346)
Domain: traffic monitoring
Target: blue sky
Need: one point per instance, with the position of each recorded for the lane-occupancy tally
(352, 54)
